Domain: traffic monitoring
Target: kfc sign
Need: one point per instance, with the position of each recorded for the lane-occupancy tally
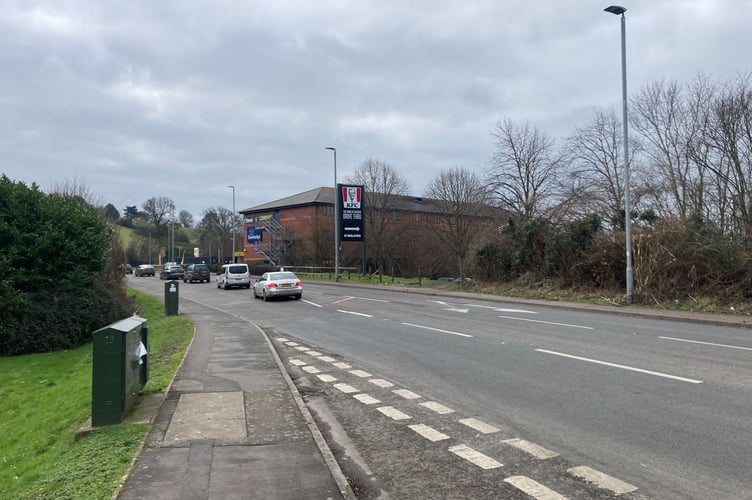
(351, 216)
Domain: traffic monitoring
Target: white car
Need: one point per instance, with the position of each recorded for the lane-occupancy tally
(233, 275)
(278, 284)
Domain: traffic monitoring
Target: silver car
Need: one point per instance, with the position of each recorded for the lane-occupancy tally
(277, 284)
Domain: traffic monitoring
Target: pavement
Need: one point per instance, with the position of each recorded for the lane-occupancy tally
(231, 425)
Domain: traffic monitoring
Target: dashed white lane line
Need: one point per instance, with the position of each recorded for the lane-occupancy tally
(437, 407)
(393, 413)
(406, 394)
(326, 378)
(547, 322)
(297, 362)
(302, 348)
(437, 330)
(429, 432)
(475, 457)
(533, 449)
(479, 426)
(533, 488)
(355, 313)
(342, 366)
(361, 373)
(366, 399)
(346, 388)
(282, 339)
(381, 382)
(602, 480)
(708, 343)
(327, 359)
(315, 354)
(292, 344)
(311, 369)
(623, 367)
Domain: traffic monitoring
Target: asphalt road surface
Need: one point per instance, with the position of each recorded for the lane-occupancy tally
(437, 396)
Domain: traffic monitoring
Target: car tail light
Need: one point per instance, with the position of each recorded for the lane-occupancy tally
(299, 283)
(272, 285)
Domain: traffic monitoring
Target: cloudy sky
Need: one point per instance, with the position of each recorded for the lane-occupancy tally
(181, 98)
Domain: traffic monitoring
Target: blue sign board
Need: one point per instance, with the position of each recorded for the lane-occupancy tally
(255, 234)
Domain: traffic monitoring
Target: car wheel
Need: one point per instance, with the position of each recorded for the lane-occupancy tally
(255, 296)
(263, 295)
(299, 296)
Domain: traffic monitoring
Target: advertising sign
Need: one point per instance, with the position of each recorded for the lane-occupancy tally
(351, 217)
(255, 234)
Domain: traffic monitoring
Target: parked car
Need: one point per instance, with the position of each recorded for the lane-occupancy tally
(128, 269)
(172, 271)
(144, 270)
(197, 272)
(278, 284)
(233, 275)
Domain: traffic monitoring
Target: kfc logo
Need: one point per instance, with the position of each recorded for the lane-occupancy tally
(351, 197)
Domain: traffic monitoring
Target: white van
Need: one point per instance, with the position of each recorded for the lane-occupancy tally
(233, 275)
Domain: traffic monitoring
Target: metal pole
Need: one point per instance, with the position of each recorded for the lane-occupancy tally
(336, 218)
(232, 221)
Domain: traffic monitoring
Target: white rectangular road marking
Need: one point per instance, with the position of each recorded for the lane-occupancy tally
(292, 344)
(475, 457)
(282, 339)
(393, 413)
(533, 488)
(547, 322)
(311, 369)
(346, 388)
(326, 378)
(437, 407)
(429, 432)
(479, 426)
(366, 399)
(315, 354)
(381, 382)
(708, 343)
(312, 303)
(533, 449)
(297, 362)
(406, 394)
(623, 367)
(343, 366)
(355, 313)
(327, 359)
(302, 348)
(602, 480)
(361, 373)
(437, 330)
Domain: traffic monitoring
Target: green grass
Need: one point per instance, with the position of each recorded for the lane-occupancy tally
(46, 398)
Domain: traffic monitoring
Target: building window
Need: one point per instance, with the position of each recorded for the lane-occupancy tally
(417, 217)
(328, 209)
(376, 213)
(453, 220)
(397, 215)
(436, 218)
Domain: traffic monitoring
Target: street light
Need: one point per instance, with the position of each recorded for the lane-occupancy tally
(619, 11)
(336, 218)
(232, 221)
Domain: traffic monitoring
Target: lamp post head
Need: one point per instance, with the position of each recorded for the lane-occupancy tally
(616, 9)
(331, 149)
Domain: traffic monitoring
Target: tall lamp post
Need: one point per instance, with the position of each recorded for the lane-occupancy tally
(232, 221)
(619, 11)
(336, 218)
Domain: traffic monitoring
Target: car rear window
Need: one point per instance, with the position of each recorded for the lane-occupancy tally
(283, 276)
(199, 267)
(237, 269)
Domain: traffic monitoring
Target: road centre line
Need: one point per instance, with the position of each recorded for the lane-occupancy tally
(355, 313)
(548, 322)
(708, 343)
(623, 367)
(437, 330)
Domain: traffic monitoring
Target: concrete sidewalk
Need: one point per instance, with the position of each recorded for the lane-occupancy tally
(232, 425)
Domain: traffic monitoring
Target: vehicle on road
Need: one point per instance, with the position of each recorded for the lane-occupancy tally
(144, 270)
(197, 272)
(278, 284)
(172, 271)
(128, 269)
(234, 275)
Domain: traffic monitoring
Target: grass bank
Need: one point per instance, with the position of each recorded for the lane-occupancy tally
(46, 398)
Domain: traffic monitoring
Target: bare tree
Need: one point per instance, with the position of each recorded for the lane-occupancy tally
(159, 211)
(185, 218)
(383, 188)
(462, 199)
(523, 168)
(76, 188)
(216, 228)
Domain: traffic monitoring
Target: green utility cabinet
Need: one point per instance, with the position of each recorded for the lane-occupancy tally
(171, 298)
(120, 369)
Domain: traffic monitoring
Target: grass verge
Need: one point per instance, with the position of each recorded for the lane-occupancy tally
(46, 398)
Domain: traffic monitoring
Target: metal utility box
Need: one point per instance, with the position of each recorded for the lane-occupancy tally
(171, 298)
(120, 369)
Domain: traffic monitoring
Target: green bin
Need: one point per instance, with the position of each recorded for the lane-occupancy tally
(171, 298)
(120, 369)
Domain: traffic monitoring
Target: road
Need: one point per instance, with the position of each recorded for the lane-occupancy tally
(545, 394)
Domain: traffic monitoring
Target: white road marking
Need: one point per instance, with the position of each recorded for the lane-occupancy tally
(361, 373)
(479, 426)
(315, 354)
(450, 307)
(437, 407)
(366, 399)
(343, 366)
(381, 382)
(602, 480)
(548, 322)
(533, 488)
(406, 394)
(326, 378)
(503, 309)
(292, 344)
(393, 413)
(311, 369)
(372, 300)
(437, 330)
(327, 359)
(623, 367)
(282, 339)
(312, 303)
(342, 300)
(533, 449)
(429, 432)
(346, 388)
(302, 348)
(297, 362)
(475, 457)
(355, 313)
(708, 343)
